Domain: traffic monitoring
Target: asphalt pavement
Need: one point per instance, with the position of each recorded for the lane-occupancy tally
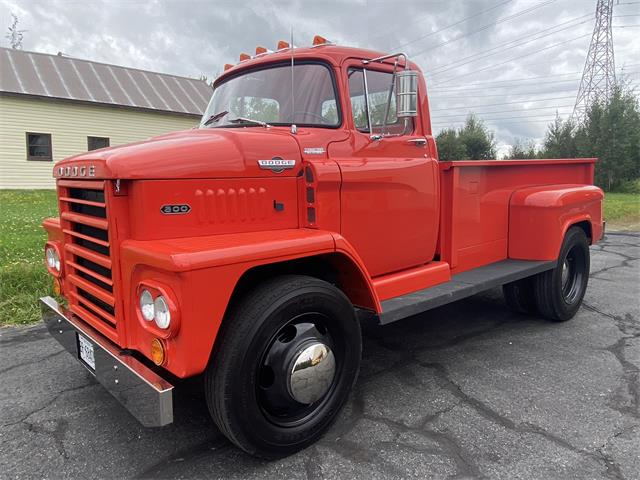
(469, 390)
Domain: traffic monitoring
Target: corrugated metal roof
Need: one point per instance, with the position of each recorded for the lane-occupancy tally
(58, 76)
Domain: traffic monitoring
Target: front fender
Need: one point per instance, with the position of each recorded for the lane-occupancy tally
(540, 216)
(203, 272)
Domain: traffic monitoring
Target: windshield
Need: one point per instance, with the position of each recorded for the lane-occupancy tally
(265, 96)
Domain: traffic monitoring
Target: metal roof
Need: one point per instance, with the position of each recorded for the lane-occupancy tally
(61, 77)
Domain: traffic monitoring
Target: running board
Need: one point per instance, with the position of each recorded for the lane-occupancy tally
(460, 286)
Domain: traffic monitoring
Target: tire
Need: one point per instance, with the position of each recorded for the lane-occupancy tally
(559, 299)
(263, 393)
(520, 296)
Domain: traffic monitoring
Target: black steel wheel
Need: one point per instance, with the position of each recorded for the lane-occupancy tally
(287, 357)
(520, 296)
(559, 292)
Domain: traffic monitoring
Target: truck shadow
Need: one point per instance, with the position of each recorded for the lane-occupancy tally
(386, 349)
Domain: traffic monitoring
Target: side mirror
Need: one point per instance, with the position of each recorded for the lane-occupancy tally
(406, 93)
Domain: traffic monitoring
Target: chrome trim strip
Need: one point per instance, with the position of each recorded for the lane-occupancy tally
(146, 395)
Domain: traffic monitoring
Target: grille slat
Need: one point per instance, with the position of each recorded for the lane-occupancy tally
(83, 212)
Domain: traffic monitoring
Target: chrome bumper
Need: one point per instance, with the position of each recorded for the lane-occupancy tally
(146, 395)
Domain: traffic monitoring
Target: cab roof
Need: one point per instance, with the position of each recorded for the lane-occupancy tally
(330, 53)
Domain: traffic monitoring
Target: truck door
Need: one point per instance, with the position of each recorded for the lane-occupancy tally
(389, 194)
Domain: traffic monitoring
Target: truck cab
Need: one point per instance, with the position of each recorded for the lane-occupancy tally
(247, 250)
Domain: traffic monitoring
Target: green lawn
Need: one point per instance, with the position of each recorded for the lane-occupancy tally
(622, 211)
(23, 277)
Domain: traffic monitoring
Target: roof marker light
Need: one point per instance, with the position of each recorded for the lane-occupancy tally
(227, 66)
(282, 45)
(244, 56)
(318, 40)
(261, 50)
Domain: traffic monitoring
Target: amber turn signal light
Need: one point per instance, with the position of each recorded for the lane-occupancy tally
(157, 351)
(57, 288)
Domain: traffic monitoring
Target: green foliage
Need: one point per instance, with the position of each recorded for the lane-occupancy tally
(610, 132)
(473, 141)
(23, 277)
(522, 150)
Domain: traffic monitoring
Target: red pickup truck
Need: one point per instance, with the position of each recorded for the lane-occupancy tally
(248, 249)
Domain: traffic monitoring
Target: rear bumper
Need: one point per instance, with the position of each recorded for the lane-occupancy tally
(140, 390)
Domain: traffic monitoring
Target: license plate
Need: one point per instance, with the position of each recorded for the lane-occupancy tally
(85, 348)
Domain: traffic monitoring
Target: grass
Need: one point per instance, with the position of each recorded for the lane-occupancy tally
(622, 211)
(23, 277)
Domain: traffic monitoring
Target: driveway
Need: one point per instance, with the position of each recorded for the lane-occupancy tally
(466, 390)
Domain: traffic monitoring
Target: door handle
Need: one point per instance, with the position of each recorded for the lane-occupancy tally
(418, 142)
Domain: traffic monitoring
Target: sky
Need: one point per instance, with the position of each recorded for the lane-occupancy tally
(514, 63)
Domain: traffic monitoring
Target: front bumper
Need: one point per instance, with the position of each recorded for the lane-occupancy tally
(146, 395)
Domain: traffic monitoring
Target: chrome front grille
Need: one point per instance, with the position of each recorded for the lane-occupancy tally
(87, 253)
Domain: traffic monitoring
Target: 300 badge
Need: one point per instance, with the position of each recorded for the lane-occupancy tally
(175, 209)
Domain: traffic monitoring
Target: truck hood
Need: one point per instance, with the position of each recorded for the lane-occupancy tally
(204, 153)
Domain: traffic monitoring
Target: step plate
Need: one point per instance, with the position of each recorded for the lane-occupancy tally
(461, 286)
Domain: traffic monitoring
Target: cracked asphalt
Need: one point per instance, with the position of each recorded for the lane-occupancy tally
(469, 390)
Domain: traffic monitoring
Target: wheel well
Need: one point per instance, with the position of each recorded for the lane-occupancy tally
(585, 225)
(334, 268)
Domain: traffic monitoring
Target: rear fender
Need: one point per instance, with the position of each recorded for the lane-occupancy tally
(539, 218)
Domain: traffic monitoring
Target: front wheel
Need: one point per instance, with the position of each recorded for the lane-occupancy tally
(288, 355)
(559, 292)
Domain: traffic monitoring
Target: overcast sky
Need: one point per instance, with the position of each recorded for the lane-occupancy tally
(478, 55)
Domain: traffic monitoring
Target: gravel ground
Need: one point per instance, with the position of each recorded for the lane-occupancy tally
(467, 390)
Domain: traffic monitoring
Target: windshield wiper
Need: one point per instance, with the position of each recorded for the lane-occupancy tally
(214, 118)
(250, 120)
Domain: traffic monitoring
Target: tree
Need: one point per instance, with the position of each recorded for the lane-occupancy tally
(610, 132)
(521, 150)
(450, 147)
(471, 142)
(14, 35)
(477, 139)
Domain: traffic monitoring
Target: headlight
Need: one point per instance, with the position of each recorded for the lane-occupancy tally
(147, 305)
(53, 259)
(162, 313)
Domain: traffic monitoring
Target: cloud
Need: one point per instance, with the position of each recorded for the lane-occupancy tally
(193, 37)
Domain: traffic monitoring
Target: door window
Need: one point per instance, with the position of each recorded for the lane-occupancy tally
(381, 100)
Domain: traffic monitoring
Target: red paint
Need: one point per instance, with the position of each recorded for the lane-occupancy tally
(385, 217)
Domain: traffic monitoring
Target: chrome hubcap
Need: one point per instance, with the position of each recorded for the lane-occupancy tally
(312, 373)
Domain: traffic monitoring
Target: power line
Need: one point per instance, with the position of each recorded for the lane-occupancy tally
(484, 27)
(449, 26)
(518, 117)
(503, 103)
(501, 48)
(508, 111)
(505, 94)
(492, 82)
(462, 88)
(490, 67)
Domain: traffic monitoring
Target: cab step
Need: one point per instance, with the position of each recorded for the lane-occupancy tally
(460, 286)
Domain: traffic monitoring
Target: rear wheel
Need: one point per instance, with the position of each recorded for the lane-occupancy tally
(287, 358)
(559, 292)
(520, 296)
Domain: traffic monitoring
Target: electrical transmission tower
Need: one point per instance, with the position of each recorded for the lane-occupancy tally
(599, 74)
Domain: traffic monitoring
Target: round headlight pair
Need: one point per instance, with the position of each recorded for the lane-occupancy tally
(157, 309)
(53, 259)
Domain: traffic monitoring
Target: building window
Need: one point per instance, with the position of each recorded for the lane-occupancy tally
(39, 147)
(94, 143)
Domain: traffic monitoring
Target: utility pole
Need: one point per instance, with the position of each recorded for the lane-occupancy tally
(599, 74)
